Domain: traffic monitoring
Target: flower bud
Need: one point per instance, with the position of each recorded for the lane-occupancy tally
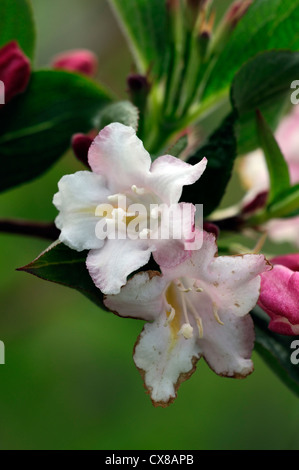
(138, 89)
(78, 60)
(279, 296)
(232, 17)
(80, 146)
(14, 71)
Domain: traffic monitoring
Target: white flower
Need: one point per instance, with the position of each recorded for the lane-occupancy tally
(198, 308)
(122, 168)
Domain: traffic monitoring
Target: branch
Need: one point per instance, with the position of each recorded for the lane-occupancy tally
(45, 230)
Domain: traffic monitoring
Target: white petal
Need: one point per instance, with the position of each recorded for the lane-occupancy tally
(77, 199)
(110, 266)
(232, 282)
(227, 348)
(120, 157)
(170, 174)
(235, 282)
(142, 297)
(164, 361)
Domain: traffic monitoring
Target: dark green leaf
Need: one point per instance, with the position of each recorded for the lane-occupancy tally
(276, 351)
(36, 127)
(123, 111)
(286, 203)
(220, 150)
(268, 24)
(64, 266)
(262, 83)
(144, 23)
(277, 166)
(16, 23)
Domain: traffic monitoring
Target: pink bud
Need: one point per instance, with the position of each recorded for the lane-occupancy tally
(279, 296)
(211, 228)
(14, 70)
(78, 60)
(236, 11)
(80, 146)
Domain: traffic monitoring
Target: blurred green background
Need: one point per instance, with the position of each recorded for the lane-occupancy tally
(69, 381)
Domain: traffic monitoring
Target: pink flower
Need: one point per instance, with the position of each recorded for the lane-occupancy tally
(91, 201)
(197, 309)
(14, 70)
(280, 295)
(255, 176)
(78, 60)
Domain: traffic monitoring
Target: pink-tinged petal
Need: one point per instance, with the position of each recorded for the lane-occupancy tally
(231, 282)
(78, 197)
(197, 263)
(118, 154)
(164, 361)
(172, 248)
(15, 70)
(280, 294)
(227, 348)
(287, 136)
(290, 261)
(142, 297)
(110, 266)
(282, 326)
(78, 60)
(170, 174)
(235, 282)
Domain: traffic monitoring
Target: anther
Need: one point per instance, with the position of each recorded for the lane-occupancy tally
(137, 190)
(200, 326)
(186, 330)
(197, 288)
(171, 316)
(215, 312)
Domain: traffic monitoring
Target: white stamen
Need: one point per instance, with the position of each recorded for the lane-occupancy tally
(186, 331)
(171, 316)
(116, 213)
(215, 312)
(182, 288)
(137, 190)
(145, 233)
(197, 318)
(113, 197)
(155, 213)
(200, 327)
(197, 288)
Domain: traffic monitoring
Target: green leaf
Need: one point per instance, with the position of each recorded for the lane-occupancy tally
(286, 204)
(61, 265)
(37, 126)
(144, 23)
(16, 23)
(262, 83)
(123, 111)
(276, 351)
(277, 166)
(268, 24)
(220, 150)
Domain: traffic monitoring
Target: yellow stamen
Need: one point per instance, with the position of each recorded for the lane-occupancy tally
(215, 312)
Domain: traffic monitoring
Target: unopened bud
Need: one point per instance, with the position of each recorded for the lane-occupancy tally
(14, 71)
(232, 17)
(236, 11)
(78, 60)
(203, 42)
(80, 146)
(138, 89)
